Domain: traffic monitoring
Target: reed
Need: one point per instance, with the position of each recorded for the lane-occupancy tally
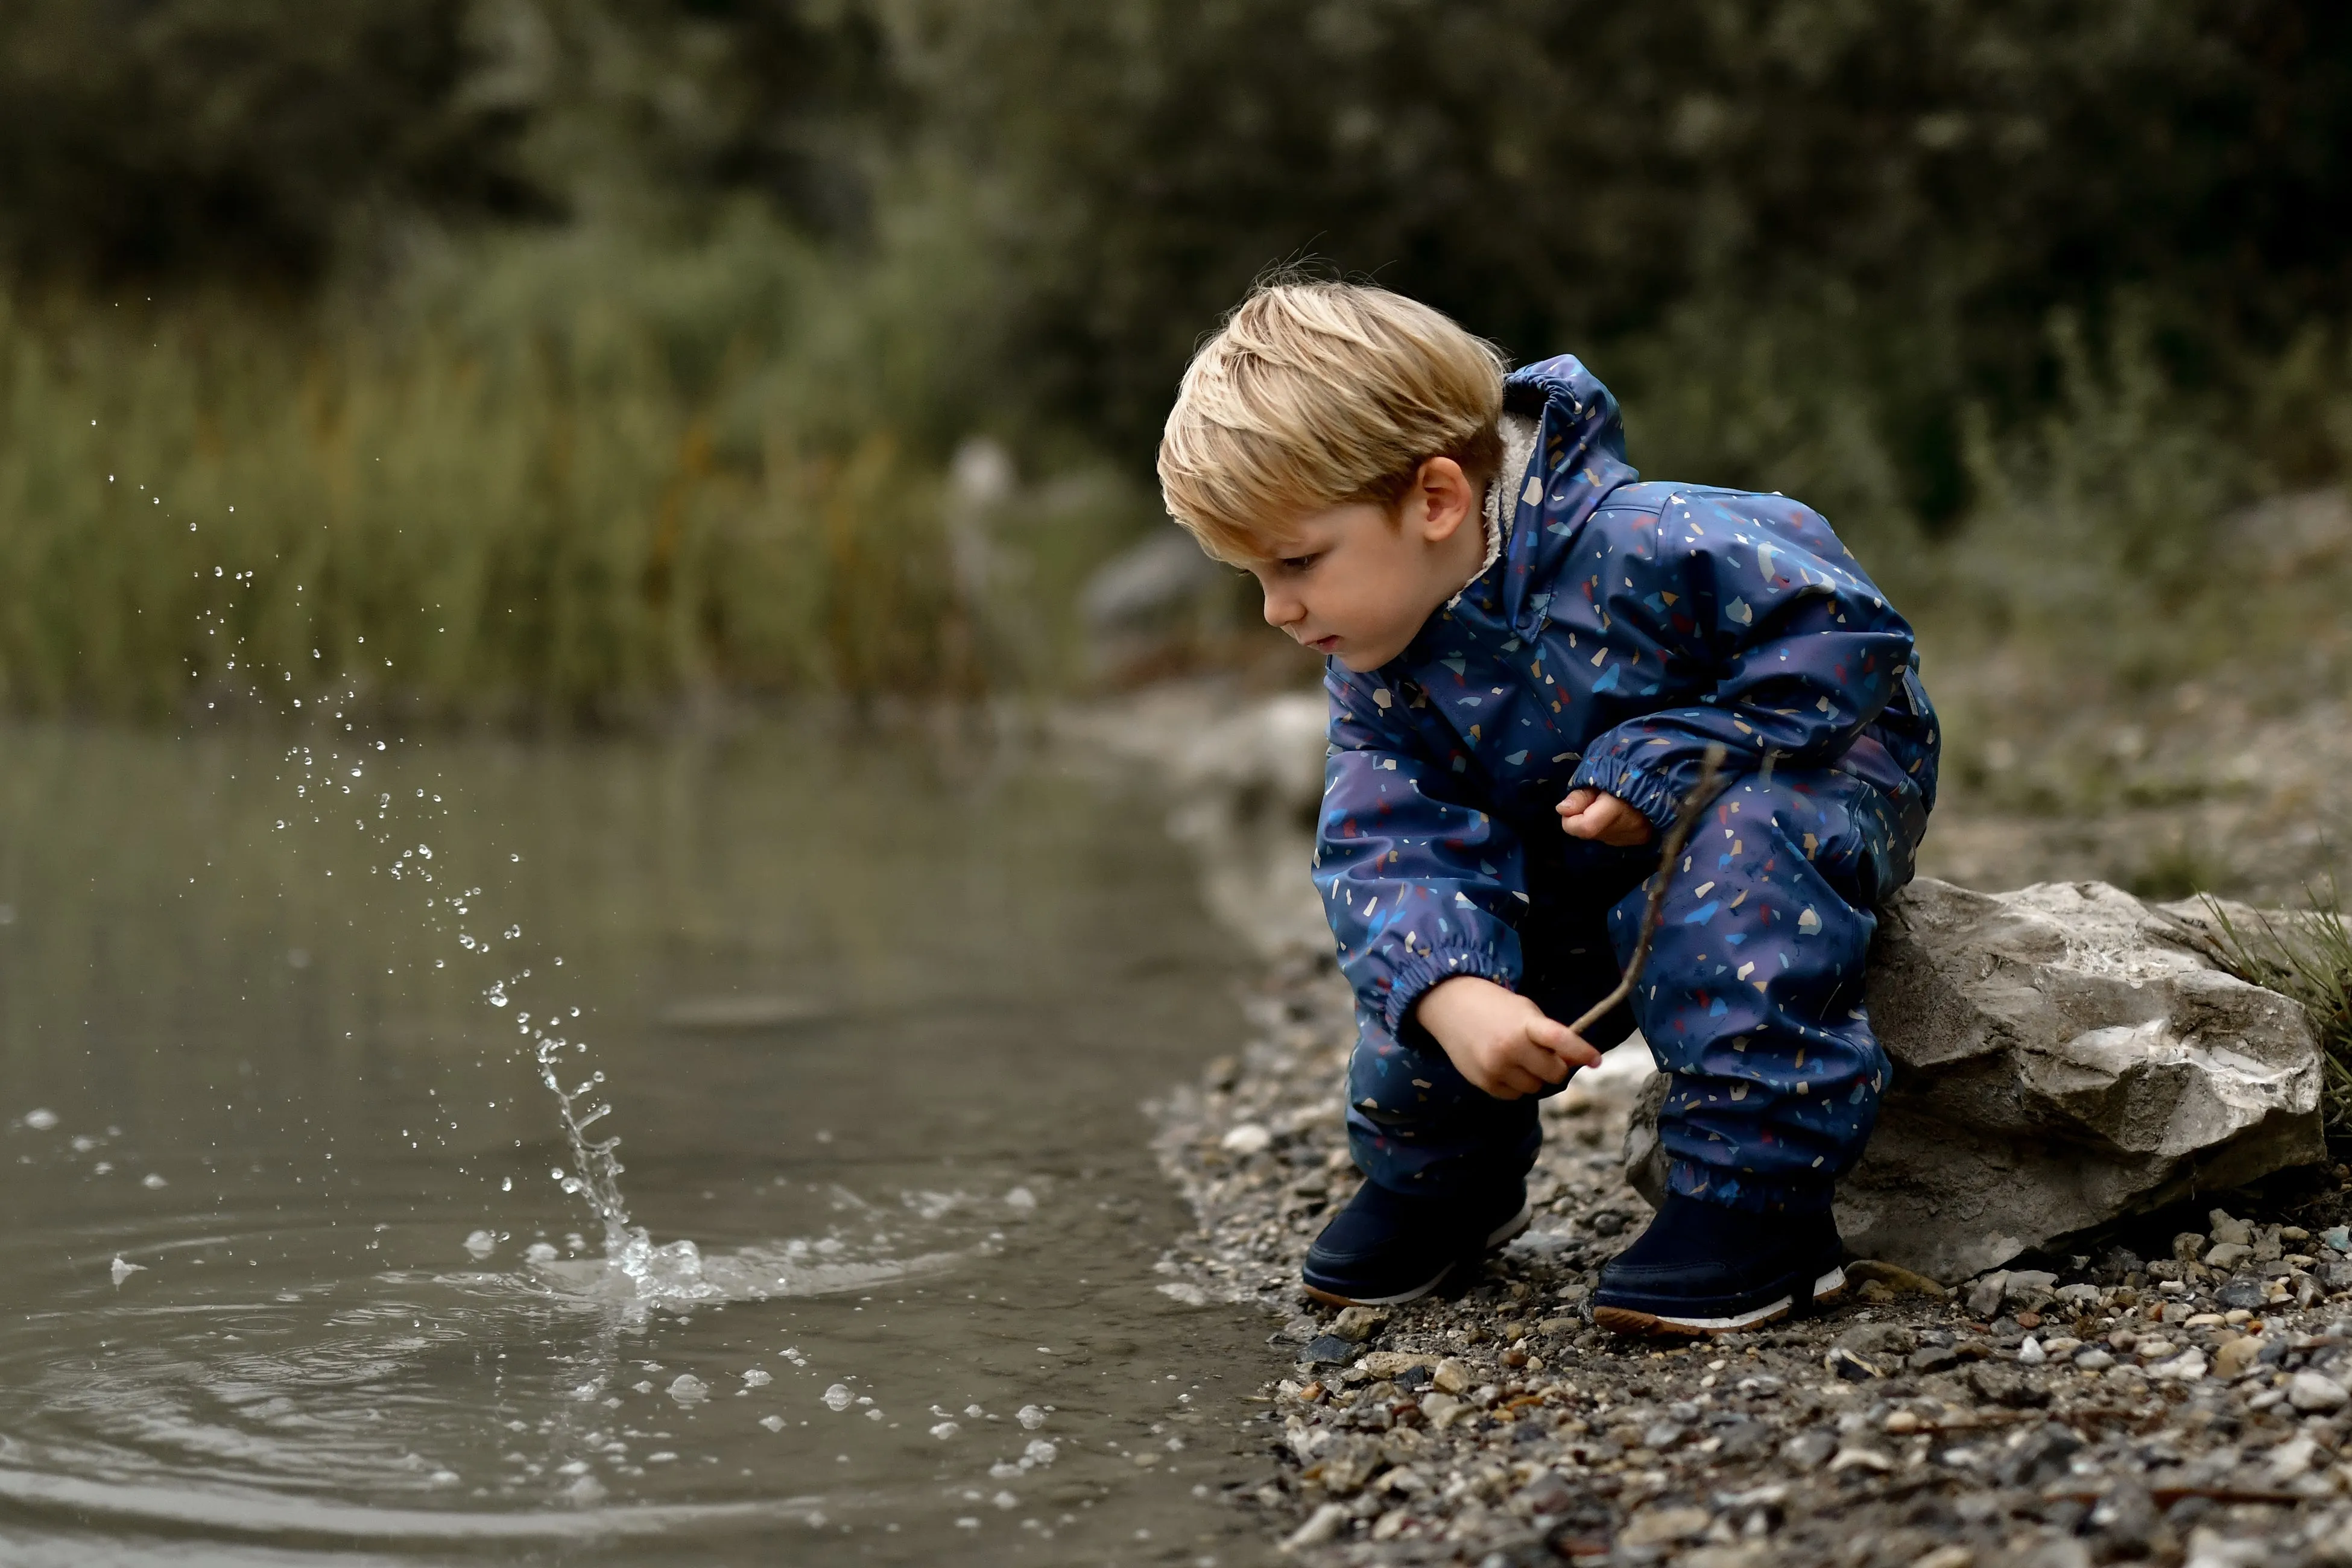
(207, 508)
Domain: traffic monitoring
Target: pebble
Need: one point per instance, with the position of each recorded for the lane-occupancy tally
(1915, 1427)
(2315, 1395)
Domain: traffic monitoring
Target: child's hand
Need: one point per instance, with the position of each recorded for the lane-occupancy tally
(1590, 814)
(1498, 1039)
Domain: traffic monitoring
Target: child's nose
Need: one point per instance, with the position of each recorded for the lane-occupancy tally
(1281, 609)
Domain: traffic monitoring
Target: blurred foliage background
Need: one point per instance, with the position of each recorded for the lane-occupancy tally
(562, 358)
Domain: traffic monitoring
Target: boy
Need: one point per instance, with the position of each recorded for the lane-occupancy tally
(1529, 656)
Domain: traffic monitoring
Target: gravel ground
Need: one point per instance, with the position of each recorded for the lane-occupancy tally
(2178, 1395)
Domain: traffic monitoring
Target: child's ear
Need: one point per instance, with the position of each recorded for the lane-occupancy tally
(1448, 499)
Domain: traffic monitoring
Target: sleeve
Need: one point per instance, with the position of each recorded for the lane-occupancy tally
(1420, 883)
(1795, 652)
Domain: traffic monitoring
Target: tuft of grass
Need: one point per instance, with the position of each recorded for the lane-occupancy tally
(544, 482)
(2306, 956)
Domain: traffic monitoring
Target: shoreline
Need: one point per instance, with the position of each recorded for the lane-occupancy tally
(2136, 1405)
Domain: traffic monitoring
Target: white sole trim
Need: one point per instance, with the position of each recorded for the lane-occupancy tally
(1511, 1227)
(1725, 1325)
(1397, 1300)
(1828, 1284)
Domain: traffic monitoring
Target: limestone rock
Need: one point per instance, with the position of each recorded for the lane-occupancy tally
(2062, 1058)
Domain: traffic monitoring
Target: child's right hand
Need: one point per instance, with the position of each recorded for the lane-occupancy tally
(1498, 1039)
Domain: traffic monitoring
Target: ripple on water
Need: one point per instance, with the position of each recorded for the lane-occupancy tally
(253, 1383)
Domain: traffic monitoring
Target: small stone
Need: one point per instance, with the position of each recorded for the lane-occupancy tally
(1985, 1296)
(1328, 1350)
(1935, 1357)
(2188, 1245)
(1850, 1366)
(1441, 1410)
(2031, 1353)
(2338, 1238)
(1323, 1525)
(2236, 1355)
(2292, 1458)
(1394, 1363)
(1901, 1423)
(1808, 1450)
(1546, 1494)
(2226, 1256)
(2224, 1228)
(1953, 1556)
(2186, 1367)
(1245, 1139)
(2244, 1293)
(1451, 1376)
(1857, 1458)
(2094, 1359)
(1879, 1340)
(1897, 1280)
(1356, 1324)
(1663, 1526)
(2005, 1385)
(2028, 1286)
(2315, 1394)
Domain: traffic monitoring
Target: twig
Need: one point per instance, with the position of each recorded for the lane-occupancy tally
(1711, 782)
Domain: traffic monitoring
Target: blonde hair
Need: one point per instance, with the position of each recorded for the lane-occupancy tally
(1316, 394)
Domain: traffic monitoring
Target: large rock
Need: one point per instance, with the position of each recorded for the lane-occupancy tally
(2063, 1056)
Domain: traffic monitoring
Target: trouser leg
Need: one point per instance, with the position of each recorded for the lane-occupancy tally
(1752, 998)
(1417, 1125)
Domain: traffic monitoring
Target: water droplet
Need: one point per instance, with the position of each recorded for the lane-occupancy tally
(687, 1389)
(838, 1397)
(1030, 1416)
(40, 1121)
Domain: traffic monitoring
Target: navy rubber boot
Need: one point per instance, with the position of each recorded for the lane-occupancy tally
(1386, 1247)
(1702, 1268)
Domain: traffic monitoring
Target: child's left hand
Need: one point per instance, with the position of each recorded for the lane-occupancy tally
(1595, 815)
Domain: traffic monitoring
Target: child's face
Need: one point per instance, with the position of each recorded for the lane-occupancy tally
(1352, 583)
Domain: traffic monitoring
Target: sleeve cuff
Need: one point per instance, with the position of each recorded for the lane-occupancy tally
(1645, 792)
(1413, 980)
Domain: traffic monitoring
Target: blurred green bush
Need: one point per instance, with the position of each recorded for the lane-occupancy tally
(581, 353)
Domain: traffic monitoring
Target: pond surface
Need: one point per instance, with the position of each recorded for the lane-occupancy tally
(288, 1273)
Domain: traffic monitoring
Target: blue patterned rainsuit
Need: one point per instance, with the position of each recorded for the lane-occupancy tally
(1624, 628)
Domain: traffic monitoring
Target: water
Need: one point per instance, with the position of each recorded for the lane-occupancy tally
(288, 1275)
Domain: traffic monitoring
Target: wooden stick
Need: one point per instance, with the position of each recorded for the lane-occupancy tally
(1711, 784)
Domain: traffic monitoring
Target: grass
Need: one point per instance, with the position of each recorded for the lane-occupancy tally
(2306, 956)
(543, 483)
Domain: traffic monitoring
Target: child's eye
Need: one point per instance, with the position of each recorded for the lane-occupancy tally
(1299, 563)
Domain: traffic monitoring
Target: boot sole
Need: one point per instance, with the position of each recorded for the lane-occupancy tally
(1827, 1291)
(1501, 1235)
